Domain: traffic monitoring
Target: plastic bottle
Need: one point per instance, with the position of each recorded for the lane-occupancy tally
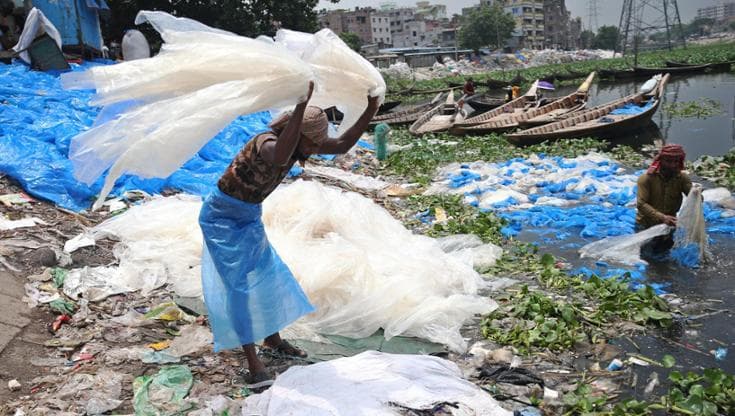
(381, 140)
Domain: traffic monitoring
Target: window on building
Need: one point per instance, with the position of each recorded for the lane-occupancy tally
(414, 33)
(375, 30)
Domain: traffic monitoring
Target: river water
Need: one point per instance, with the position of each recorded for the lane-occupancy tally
(711, 136)
(714, 283)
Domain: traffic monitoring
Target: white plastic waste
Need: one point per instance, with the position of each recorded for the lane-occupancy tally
(471, 250)
(166, 24)
(719, 196)
(368, 383)
(36, 24)
(7, 224)
(623, 249)
(365, 271)
(359, 266)
(366, 183)
(344, 78)
(690, 225)
(192, 339)
(160, 242)
(649, 85)
(135, 46)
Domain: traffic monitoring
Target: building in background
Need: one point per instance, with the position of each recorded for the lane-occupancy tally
(575, 33)
(529, 17)
(724, 11)
(556, 25)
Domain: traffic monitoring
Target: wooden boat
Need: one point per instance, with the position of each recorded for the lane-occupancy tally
(529, 116)
(407, 115)
(484, 102)
(713, 66)
(649, 72)
(601, 121)
(616, 73)
(440, 118)
(520, 104)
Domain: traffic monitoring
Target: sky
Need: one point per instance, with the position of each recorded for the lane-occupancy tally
(608, 11)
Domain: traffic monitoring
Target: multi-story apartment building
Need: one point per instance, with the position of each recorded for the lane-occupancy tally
(719, 12)
(556, 24)
(529, 16)
(380, 23)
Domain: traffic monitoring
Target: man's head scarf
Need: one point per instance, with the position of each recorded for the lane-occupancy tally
(314, 125)
(668, 151)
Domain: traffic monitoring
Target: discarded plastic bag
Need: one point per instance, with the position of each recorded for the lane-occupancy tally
(35, 25)
(135, 46)
(690, 237)
(368, 384)
(344, 77)
(100, 392)
(192, 339)
(163, 394)
(625, 249)
(471, 250)
(94, 283)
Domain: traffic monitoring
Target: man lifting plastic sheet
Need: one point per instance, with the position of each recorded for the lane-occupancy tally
(249, 292)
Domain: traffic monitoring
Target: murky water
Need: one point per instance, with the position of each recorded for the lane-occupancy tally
(711, 136)
(714, 283)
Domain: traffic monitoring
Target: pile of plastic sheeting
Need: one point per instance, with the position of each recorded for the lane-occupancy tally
(39, 119)
(358, 265)
(374, 383)
(590, 196)
(160, 111)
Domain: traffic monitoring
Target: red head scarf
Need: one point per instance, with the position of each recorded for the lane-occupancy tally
(672, 151)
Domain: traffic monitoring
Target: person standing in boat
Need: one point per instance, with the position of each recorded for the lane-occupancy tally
(469, 87)
(250, 293)
(660, 191)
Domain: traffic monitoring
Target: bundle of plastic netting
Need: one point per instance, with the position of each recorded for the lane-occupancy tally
(358, 265)
(690, 237)
(160, 111)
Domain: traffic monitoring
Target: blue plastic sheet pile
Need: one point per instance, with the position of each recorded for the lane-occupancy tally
(38, 119)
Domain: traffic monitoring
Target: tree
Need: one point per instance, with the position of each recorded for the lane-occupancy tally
(699, 26)
(732, 26)
(586, 38)
(352, 40)
(607, 38)
(486, 26)
(248, 18)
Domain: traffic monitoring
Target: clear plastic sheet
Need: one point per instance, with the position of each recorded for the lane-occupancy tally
(625, 249)
(690, 237)
(358, 265)
(367, 383)
(344, 78)
(135, 46)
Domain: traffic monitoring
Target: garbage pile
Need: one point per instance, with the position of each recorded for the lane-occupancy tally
(525, 58)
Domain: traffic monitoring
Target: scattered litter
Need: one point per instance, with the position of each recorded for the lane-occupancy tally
(193, 338)
(653, 381)
(95, 283)
(615, 365)
(163, 393)
(14, 385)
(366, 383)
(7, 224)
(82, 240)
(13, 199)
(720, 353)
(510, 374)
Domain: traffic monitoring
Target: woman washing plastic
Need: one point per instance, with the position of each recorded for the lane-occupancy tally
(250, 293)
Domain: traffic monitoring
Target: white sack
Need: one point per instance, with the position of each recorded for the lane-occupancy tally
(365, 385)
(344, 77)
(625, 249)
(36, 25)
(135, 46)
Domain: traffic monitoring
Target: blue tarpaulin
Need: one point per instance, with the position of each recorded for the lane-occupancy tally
(38, 119)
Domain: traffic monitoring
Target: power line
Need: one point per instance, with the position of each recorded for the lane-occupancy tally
(592, 14)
